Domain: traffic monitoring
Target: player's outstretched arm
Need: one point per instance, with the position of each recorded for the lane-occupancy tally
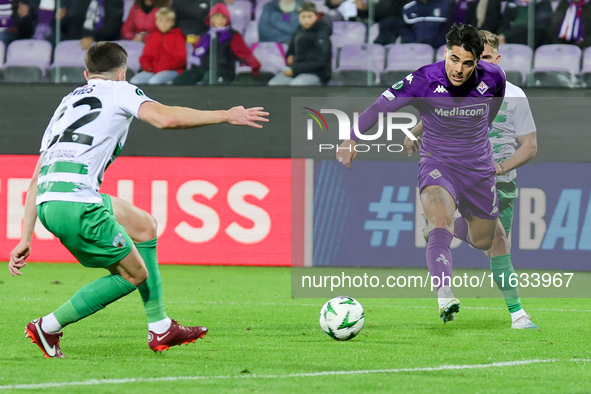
(526, 151)
(346, 153)
(172, 117)
(23, 249)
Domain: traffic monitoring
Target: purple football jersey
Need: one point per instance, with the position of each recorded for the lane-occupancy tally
(455, 118)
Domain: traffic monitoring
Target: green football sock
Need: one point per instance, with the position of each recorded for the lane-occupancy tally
(503, 270)
(151, 290)
(92, 298)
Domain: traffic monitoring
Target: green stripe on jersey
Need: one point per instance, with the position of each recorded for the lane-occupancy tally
(59, 187)
(64, 166)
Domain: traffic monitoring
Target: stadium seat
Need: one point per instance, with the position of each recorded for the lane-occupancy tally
(251, 33)
(127, 4)
(134, 51)
(403, 59)
(374, 32)
(2, 51)
(240, 14)
(516, 61)
(557, 65)
(439, 54)
(348, 33)
(356, 61)
(69, 58)
(27, 60)
(272, 58)
(586, 69)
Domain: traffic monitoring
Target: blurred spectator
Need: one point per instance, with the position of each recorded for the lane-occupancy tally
(426, 22)
(569, 22)
(462, 12)
(45, 19)
(309, 56)
(17, 19)
(388, 15)
(92, 20)
(487, 15)
(230, 48)
(278, 20)
(165, 54)
(190, 17)
(514, 22)
(348, 10)
(141, 21)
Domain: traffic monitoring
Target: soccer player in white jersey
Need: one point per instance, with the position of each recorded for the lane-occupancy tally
(513, 122)
(85, 135)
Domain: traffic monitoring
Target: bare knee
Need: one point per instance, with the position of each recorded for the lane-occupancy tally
(500, 245)
(148, 230)
(483, 243)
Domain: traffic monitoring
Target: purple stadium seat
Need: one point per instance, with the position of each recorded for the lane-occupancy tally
(27, 60)
(134, 51)
(127, 4)
(68, 56)
(374, 32)
(557, 65)
(516, 61)
(348, 33)
(272, 58)
(439, 53)
(251, 33)
(2, 52)
(404, 58)
(240, 13)
(356, 61)
(586, 60)
(586, 69)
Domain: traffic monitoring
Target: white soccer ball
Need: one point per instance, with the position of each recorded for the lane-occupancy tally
(342, 318)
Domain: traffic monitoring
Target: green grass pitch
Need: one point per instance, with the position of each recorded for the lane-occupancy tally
(261, 340)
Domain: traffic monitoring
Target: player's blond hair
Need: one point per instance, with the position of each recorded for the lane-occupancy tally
(490, 39)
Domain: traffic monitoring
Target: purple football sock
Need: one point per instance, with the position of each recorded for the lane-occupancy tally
(439, 260)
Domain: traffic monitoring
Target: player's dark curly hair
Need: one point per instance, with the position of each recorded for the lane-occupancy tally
(467, 37)
(105, 56)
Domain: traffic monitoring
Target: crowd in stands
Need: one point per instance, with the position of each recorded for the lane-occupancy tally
(177, 35)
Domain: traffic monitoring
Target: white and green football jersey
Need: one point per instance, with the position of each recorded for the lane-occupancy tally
(84, 136)
(513, 120)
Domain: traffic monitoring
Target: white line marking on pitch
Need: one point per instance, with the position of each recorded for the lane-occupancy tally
(96, 382)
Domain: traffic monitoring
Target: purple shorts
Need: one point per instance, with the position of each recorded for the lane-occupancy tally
(474, 192)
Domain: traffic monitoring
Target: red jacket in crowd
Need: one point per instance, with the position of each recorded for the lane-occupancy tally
(165, 52)
(137, 22)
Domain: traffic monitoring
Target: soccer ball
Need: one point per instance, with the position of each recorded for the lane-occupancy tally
(342, 318)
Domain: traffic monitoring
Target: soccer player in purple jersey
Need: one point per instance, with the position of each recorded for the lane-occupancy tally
(513, 122)
(457, 99)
